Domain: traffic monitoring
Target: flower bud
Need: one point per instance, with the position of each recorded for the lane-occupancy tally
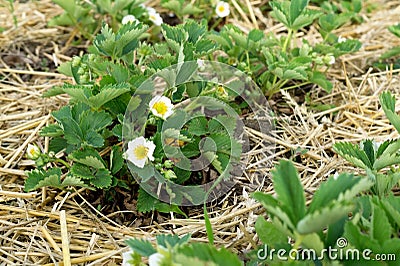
(169, 174)
(168, 164)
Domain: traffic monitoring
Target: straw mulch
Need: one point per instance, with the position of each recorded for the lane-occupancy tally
(50, 226)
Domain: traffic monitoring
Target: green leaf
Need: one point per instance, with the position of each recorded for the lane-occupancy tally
(124, 41)
(35, 176)
(273, 208)
(95, 121)
(198, 126)
(210, 254)
(170, 241)
(269, 233)
(89, 157)
(388, 103)
(360, 241)
(320, 219)
(313, 241)
(280, 12)
(52, 130)
(141, 246)
(391, 211)
(380, 226)
(390, 53)
(52, 178)
(321, 80)
(395, 29)
(353, 154)
(348, 46)
(81, 171)
(255, 35)
(145, 201)
(72, 181)
(93, 139)
(116, 159)
(102, 178)
(289, 190)
(296, 8)
(344, 187)
(107, 94)
(54, 91)
(209, 230)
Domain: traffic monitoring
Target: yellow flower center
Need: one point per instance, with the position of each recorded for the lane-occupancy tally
(140, 152)
(160, 107)
(221, 9)
(152, 17)
(32, 152)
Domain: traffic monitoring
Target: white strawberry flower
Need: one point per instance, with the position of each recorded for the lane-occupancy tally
(222, 9)
(154, 16)
(33, 152)
(129, 19)
(161, 106)
(140, 151)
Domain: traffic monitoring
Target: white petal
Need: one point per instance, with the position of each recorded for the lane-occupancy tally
(126, 256)
(129, 19)
(151, 146)
(151, 10)
(155, 259)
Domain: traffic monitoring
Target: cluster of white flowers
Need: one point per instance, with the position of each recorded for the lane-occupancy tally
(154, 17)
(141, 150)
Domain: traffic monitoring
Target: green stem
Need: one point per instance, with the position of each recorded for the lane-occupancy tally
(297, 244)
(288, 38)
(216, 23)
(58, 160)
